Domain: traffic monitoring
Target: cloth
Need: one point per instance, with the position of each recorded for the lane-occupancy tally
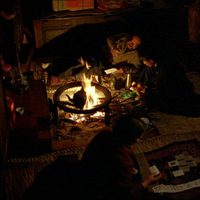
(105, 5)
(60, 5)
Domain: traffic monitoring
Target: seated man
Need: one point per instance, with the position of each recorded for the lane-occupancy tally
(111, 170)
(123, 48)
(167, 87)
(125, 53)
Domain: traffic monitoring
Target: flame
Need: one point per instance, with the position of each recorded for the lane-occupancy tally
(92, 98)
(84, 63)
(91, 95)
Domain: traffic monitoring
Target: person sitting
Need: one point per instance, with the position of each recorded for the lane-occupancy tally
(175, 92)
(124, 48)
(126, 52)
(167, 88)
(110, 168)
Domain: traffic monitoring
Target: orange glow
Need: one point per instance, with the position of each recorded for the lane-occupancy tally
(92, 97)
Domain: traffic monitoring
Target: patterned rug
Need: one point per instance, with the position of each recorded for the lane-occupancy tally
(177, 157)
(19, 173)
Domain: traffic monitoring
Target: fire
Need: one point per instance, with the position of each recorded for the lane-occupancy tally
(92, 98)
(88, 66)
(85, 63)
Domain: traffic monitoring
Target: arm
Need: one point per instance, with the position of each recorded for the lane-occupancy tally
(125, 179)
(149, 62)
(150, 179)
(126, 183)
(118, 42)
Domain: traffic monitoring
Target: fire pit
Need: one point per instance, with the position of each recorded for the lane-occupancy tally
(64, 95)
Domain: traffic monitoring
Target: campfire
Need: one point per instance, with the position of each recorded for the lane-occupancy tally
(65, 98)
(85, 105)
(83, 97)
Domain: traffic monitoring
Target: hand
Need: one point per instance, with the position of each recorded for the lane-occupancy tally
(151, 179)
(149, 63)
(115, 52)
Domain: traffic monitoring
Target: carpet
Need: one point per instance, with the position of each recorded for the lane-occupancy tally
(168, 124)
(81, 134)
(19, 173)
(177, 157)
(69, 135)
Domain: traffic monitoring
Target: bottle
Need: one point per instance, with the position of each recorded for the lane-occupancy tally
(128, 81)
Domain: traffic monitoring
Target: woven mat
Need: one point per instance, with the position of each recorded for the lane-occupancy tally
(20, 173)
(158, 142)
(155, 151)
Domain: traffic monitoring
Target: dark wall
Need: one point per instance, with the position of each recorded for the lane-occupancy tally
(36, 9)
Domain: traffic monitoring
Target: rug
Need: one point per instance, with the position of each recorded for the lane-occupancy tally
(177, 157)
(168, 124)
(19, 173)
(69, 135)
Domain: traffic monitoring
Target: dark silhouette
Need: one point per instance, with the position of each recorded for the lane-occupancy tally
(79, 98)
(110, 167)
(59, 180)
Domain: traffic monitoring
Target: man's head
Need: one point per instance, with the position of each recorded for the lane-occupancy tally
(134, 43)
(128, 129)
